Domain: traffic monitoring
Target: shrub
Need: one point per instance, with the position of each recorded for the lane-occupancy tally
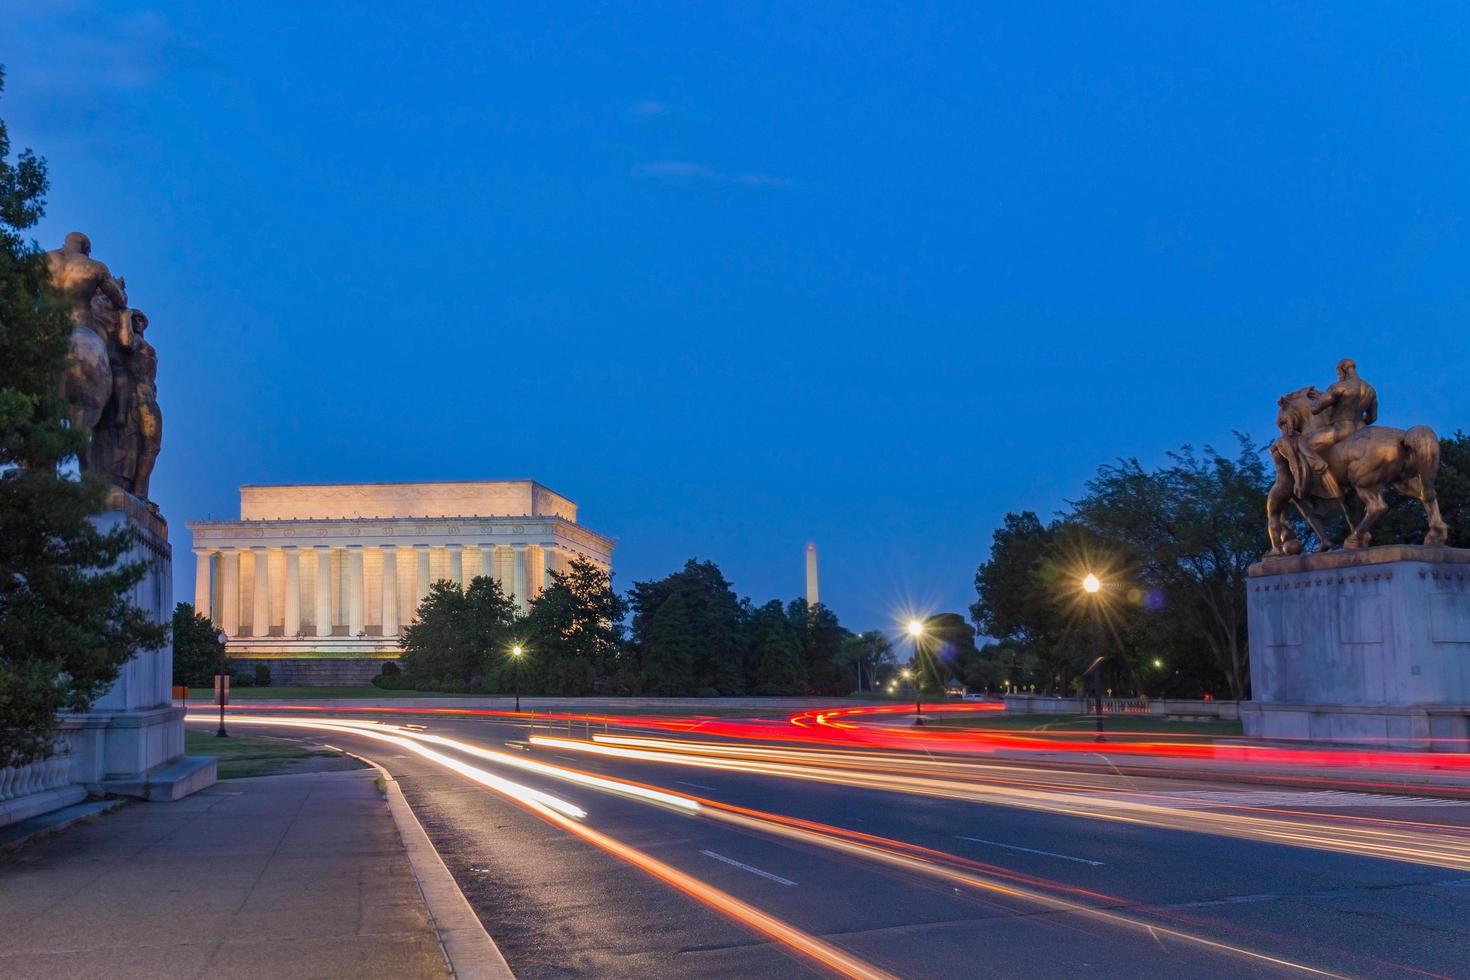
(262, 675)
(390, 669)
(242, 680)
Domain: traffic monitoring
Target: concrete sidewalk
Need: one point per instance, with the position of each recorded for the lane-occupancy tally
(280, 876)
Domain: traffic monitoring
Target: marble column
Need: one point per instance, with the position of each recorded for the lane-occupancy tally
(202, 584)
(535, 571)
(323, 590)
(487, 560)
(502, 563)
(291, 606)
(456, 564)
(229, 574)
(355, 591)
(519, 577)
(390, 590)
(420, 577)
(260, 612)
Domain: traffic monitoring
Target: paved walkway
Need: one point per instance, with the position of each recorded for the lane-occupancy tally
(281, 876)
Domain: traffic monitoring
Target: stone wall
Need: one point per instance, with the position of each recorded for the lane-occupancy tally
(317, 671)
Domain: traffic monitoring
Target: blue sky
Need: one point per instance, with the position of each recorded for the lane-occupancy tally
(735, 276)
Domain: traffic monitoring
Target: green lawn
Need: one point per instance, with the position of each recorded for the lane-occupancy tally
(203, 695)
(1141, 724)
(241, 756)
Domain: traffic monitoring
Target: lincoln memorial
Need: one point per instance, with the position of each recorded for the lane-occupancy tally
(320, 580)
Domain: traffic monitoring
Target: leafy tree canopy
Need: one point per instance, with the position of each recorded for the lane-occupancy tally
(196, 647)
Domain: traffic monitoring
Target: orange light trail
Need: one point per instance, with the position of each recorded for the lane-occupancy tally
(904, 856)
(566, 816)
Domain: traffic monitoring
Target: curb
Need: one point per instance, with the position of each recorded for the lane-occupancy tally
(471, 953)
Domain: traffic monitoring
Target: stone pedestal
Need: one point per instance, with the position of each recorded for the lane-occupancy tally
(138, 733)
(1366, 647)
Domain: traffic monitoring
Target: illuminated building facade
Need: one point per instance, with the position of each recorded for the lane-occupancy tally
(335, 571)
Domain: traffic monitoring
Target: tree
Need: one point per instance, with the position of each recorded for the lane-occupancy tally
(820, 636)
(1015, 585)
(668, 649)
(461, 637)
(67, 624)
(1194, 527)
(196, 647)
(775, 649)
(574, 631)
(1027, 596)
(948, 644)
(866, 655)
(714, 616)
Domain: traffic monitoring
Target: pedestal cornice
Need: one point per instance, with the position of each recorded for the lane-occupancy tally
(1332, 561)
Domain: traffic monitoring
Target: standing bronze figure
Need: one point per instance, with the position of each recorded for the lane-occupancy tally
(1330, 444)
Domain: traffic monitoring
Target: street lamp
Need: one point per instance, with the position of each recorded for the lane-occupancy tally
(1093, 587)
(516, 652)
(219, 638)
(916, 630)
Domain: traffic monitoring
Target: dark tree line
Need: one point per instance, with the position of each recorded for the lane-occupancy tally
(1171, 545)
(685, 634)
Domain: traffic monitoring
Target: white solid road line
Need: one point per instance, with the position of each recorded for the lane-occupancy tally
(745, 867)
(1031, 850)
(702, 786)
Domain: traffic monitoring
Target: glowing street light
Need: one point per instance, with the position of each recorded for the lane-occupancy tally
(1093, 587)
(516, 652)
(916, 630)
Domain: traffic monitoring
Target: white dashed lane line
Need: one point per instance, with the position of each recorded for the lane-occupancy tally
(702, 786)
(745, 867)
(1031, 850)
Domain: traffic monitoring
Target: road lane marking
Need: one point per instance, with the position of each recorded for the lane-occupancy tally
(1031, 850)
(702, 786)
(745, 867)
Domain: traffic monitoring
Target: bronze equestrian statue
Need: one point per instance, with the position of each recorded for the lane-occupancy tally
(1330, 444)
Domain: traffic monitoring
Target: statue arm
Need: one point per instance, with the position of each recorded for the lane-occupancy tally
(1328, 399)
(1370, 409)
(113, 290)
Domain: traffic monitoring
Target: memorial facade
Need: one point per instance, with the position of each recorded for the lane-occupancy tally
(334, 572)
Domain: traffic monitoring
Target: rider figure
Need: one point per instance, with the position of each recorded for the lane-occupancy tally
(1351, 404)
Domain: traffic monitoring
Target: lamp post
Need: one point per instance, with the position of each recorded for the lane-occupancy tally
(220, 637)
(1093, 587)
(516, 652)
(916, 630)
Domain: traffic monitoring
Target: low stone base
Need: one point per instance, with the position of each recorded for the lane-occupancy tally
(32, 804)
(1435, 728)
(315, 671)
(169, 782)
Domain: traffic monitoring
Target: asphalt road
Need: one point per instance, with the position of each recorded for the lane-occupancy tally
(1035, 892)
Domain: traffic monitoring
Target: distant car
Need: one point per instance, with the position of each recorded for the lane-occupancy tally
(978, 696)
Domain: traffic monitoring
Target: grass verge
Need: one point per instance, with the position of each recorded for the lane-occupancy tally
(242, 756)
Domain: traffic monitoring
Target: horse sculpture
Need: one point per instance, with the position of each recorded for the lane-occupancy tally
(1367, 462)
